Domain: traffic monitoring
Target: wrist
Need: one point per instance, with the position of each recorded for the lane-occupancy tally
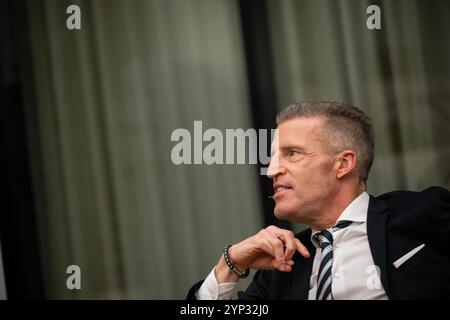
(231, 255)
(223, 273)
(238, 270)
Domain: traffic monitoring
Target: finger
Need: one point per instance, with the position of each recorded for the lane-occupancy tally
(301, 248)
(277, 252)
(289, 243)
(276, 245)
(274, 229)
(287, 237)
(285, 267)
(263, 243)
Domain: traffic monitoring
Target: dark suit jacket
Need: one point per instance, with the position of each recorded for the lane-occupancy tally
(397, 222)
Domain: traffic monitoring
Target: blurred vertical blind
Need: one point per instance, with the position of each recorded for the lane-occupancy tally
(107, 100)
(103, 102)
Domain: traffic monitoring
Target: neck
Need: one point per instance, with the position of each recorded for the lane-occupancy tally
(335, 207)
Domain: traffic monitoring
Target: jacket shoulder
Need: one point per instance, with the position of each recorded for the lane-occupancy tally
(423, 215)
(431, 194)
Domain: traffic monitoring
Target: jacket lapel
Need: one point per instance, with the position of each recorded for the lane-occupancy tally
(303, 270)
(377, 216)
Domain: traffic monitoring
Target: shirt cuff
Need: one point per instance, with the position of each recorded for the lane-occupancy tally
(210, 290)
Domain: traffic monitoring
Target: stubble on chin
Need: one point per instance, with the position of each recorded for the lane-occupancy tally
(289, 214)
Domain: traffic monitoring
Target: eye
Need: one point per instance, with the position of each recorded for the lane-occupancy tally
(292, 153)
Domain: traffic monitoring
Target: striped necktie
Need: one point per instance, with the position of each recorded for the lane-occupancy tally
(325, 239)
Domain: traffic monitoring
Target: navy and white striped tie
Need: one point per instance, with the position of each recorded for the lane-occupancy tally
(325, 239)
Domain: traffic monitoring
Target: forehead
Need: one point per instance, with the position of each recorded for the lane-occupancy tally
(300, 131)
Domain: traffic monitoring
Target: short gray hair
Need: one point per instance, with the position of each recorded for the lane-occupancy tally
(347, 127)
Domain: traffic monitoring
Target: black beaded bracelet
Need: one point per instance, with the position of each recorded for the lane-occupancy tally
(230, 264)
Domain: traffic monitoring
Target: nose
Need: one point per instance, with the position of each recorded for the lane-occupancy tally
(275, 168)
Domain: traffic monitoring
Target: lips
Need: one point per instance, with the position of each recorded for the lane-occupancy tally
(281, 189)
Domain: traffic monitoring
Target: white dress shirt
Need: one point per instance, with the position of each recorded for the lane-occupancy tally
(355, 275)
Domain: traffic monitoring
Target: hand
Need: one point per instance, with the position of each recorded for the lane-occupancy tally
(271, 248)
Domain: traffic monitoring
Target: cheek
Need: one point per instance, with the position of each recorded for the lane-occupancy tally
(320, 175)
(329, 175)
(313, 175)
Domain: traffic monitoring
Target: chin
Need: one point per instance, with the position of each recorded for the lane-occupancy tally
(291, 212)
(284, 213)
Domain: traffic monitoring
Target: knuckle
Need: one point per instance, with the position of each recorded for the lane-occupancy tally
(278, 243)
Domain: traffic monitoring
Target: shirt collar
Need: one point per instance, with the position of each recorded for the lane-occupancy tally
(356, 211)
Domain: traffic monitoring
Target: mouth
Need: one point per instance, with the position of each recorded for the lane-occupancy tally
(280, 190)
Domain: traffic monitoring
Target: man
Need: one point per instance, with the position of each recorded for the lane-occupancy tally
(395, 246)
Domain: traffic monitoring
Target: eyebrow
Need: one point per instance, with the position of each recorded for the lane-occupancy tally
(293, 146)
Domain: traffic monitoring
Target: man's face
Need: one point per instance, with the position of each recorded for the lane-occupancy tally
(303, 171)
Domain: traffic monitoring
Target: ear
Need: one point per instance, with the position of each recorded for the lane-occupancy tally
(346, 162)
